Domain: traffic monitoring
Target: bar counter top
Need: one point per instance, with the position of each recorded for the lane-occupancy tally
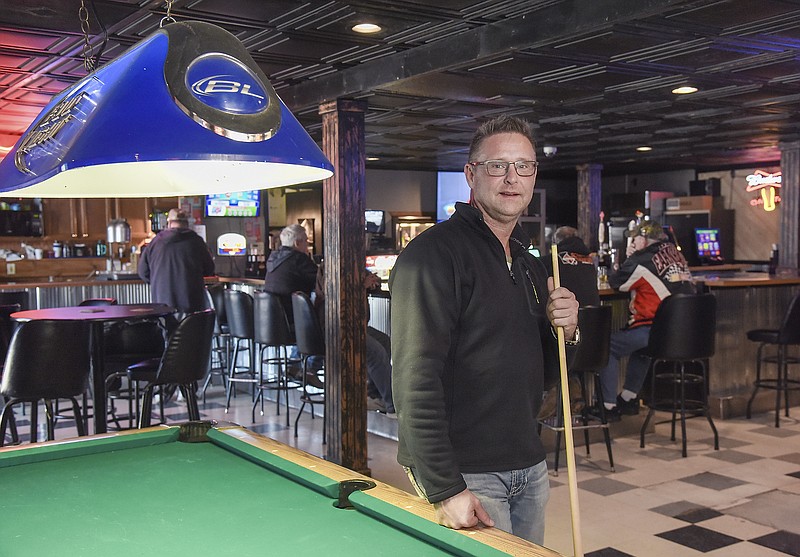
(748, 279)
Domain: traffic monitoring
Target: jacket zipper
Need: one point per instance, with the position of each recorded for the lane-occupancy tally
(535, 293)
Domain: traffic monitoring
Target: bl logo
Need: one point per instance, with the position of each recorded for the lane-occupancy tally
(222, 82)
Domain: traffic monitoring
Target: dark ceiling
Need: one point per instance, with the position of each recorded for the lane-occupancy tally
(593, 76)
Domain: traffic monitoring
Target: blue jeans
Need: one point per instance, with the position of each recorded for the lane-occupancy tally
(515, 499)
(625, 343)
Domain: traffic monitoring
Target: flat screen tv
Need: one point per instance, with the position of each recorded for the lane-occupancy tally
(707, 241)
(237, 204)
(374, 221)
(450, 187)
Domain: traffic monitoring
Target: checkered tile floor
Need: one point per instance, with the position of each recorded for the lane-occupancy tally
(743, 500)
(740, 501)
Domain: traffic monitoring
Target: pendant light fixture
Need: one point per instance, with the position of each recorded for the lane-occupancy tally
(186, 111)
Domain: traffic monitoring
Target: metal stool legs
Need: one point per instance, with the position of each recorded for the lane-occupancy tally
(781, 383)
(678, 405)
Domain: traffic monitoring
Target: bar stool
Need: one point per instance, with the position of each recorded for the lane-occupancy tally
(590, 357)
(683, 332)
(221, 347)
(787, 335)
(310, 342)
(239, 309)
(272, 331)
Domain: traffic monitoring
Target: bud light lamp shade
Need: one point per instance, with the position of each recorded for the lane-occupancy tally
(186, 111)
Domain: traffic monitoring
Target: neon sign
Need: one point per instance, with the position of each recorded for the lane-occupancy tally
(766, 183)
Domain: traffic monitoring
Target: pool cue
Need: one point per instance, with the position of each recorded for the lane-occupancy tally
(577, 545)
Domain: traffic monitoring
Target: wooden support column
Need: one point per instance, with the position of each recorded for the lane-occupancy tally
(589, 200)
(345, 298)
(790, 205)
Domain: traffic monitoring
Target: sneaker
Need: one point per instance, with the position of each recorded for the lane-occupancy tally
(628, 407)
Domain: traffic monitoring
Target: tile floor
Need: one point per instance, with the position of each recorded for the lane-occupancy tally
(740, 501)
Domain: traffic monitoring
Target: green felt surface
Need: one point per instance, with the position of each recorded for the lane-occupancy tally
(172, 498)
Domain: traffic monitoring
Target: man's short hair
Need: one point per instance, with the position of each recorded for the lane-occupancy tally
(501, 124)
(178, 216)
(564, 232)
(292, 234)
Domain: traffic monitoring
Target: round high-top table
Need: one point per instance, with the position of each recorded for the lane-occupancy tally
(97, 315)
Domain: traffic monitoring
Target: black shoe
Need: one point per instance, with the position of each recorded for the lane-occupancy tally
(612, 414)
(628, 407)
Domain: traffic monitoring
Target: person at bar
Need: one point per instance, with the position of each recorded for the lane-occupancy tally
(654, 269)
(290, 268)
(578, 273)
(174, 263)
(472, 340)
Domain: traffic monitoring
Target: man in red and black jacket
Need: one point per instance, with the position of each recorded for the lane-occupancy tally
(654, 269)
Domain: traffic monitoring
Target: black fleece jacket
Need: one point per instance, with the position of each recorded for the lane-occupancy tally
(174, 263)
(470, 345)
(289, 270)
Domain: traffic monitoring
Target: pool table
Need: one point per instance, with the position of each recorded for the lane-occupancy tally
(207, 488)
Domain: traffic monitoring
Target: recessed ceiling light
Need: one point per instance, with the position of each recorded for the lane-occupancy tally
(366, 28)
(644, 148)
(685, 90)
(373, 158)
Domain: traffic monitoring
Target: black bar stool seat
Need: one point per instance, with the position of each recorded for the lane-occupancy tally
(788, 335)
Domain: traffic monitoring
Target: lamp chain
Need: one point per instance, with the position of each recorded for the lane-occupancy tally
(83, 15)
(167, 18)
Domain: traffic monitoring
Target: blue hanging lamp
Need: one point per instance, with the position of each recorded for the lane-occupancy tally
(186, 111)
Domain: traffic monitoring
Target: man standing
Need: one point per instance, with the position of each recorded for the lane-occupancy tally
(290, 269)
(472, 342)
(654, 269)
(174, 263)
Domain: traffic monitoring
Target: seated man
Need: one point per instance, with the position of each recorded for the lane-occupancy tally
(578, 273)
(290, 268)
(379, 365)
(654, 269)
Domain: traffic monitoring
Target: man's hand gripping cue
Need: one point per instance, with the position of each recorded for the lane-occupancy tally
(562, 309)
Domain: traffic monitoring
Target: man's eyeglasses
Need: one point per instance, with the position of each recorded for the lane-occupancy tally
(500, 168)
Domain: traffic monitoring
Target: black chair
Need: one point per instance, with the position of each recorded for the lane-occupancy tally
(99, 302)
(184, 363)
(787, 335)
(310, 342)
(272, 331)
(589, 357)
(239, 309)
(7, 327)
(47, 360)
(127, 343)
(221, 348)
(683, 332)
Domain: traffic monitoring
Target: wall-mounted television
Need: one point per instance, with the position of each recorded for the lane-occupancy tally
(707, 241)
(375, 221)
(237, 204)
(450, 187)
